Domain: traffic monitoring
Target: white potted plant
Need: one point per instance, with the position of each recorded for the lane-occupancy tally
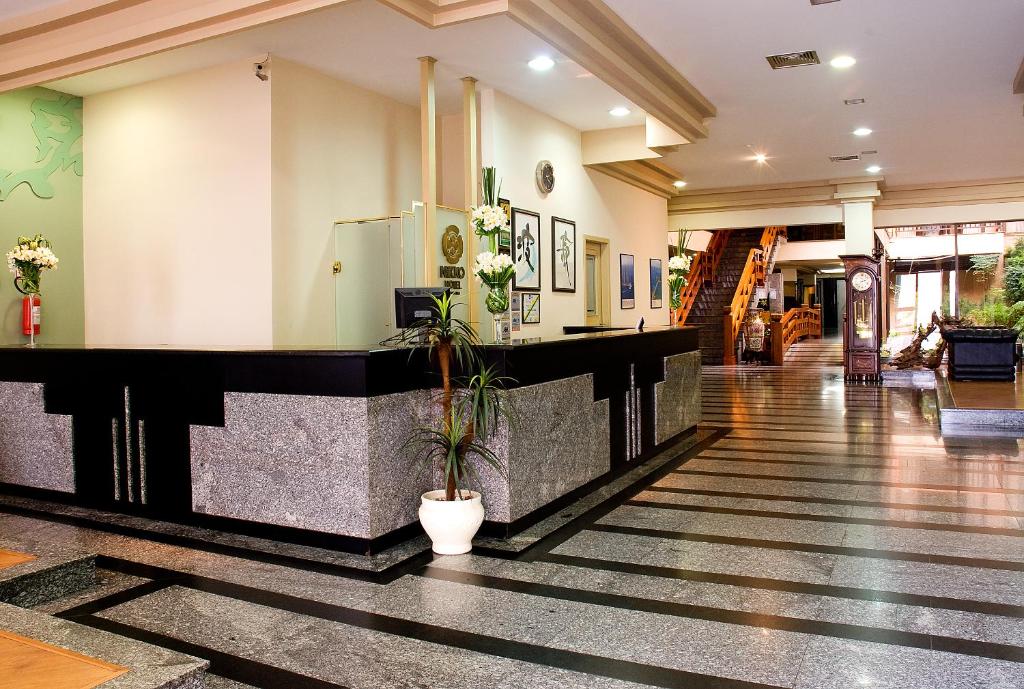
(471, 409)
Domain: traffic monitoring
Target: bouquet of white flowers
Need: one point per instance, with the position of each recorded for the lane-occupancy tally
(489, 219)
(495, 271)
(678, 268)
(28, 259)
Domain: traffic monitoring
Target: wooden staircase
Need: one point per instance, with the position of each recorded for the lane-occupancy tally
(721, 285)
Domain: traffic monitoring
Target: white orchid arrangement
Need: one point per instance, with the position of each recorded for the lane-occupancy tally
(28, 259)
(678, 269)
(489, 219)
(493, 269)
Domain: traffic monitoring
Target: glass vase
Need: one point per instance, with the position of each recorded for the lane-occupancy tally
(497, 303)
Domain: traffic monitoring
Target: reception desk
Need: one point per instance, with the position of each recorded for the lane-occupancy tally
(305, 444)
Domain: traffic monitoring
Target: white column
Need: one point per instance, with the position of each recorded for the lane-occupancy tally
(428, 159)
(858, 220)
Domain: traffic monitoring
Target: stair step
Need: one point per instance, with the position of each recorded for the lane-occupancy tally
(36, 573)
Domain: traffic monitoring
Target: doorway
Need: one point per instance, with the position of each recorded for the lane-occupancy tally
(597, 302)
(831, 294)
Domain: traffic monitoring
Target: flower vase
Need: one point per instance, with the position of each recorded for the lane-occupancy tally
(497, 304)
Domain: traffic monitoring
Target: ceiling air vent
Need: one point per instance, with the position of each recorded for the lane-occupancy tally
(787, 60)
(843, 159)
(822, 2)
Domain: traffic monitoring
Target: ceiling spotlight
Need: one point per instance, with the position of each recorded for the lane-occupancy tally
(760, 158)
(861, 131)
(843, 62)
(679, 184)
(874, 168)
(619, 111)
(541, 63)
(853, 101)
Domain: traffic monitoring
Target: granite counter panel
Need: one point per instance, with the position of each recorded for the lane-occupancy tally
(35, 447)
(677, 399)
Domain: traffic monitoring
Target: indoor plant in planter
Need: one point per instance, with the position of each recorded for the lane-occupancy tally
(470, 410)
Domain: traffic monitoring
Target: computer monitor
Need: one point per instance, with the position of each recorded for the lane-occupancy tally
(413, 304)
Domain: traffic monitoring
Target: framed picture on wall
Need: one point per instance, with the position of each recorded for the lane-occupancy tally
(627, 286)
(505, 236)
(531, 308)
(516, 311)
(656, 282)
(563, 255)
(526, 250)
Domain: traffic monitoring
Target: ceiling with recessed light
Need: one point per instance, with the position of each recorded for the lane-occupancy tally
(935, 74)
(365, 43)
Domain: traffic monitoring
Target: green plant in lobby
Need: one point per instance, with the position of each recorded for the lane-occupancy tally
(471, 409)
(995, 310)
(678, 269)
(489, 218)
(1013, 272)
(496, 272)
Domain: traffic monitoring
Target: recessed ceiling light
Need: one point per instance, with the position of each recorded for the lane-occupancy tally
(853, 101)
(679, 184)
(760, 158)
(843, 62)
(619, 111)
(861, 131)
(541, 63)
(874, 168)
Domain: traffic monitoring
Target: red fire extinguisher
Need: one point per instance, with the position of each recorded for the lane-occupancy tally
(31, 314)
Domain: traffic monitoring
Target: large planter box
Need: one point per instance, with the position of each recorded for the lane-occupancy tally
(981, 353)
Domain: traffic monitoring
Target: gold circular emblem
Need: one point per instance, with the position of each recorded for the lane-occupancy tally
(451, 244)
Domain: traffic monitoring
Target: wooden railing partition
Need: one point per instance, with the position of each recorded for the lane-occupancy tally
(793, 326)
(703, 268)
(754, 274)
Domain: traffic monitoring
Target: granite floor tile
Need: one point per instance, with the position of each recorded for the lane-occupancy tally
(107, 582)
(985, 546)
(963, 625)
(217, 682)
(347, 655)
(842, 664)
(837, 472)
(709, 557)
(737, 526)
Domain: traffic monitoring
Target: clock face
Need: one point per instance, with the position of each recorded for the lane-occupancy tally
(861, 281)
(545, 176)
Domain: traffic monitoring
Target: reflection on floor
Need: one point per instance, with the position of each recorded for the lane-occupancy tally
(976, 394)
(822, 536)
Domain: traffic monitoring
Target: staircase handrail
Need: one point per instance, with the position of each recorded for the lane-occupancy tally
(754, 273)
(702, 269)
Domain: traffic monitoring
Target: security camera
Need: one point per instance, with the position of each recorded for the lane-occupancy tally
(262, 69)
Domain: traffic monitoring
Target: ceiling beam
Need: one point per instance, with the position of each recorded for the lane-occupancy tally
(597, 39)
(77, 36)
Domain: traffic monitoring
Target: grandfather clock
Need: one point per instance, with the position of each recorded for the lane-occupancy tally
(862, 324)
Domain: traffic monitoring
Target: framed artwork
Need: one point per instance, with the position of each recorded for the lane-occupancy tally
(627, 286)
(563, 255)
(531, 308)
(656, 283)
(516, 311)
(505, 237)
(526, 250)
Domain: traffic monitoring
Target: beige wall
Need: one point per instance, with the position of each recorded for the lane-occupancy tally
(339, 152)
(177, 211)
(515, 138)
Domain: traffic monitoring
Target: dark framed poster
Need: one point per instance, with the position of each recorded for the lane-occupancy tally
(526, 250)
(627, 282)
(563, 255)
(656, 281)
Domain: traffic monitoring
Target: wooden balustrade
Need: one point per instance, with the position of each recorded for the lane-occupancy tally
(793, 326)
(702, 269)
(754, 274)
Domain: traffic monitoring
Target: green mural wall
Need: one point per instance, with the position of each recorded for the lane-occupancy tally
(41, 191)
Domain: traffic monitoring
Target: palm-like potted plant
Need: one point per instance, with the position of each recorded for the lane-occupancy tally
(471, 409)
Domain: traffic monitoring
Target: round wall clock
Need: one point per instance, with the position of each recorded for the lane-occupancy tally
(861, 281)
(545, 176)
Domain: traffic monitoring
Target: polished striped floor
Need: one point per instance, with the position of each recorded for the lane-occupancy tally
(822, 536)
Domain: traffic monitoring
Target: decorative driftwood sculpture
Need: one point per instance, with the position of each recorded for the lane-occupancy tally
(912, 356)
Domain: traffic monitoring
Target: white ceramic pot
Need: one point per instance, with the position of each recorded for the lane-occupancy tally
(451, 524)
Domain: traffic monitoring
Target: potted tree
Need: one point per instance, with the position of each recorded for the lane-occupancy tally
(470, 411)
